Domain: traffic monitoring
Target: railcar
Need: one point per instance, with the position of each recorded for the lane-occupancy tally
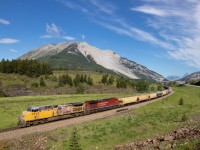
(71, 109)
(143, 97)
(159, 93)
(164, 92)
(128, 100)
(152, 95)
(100, 105)
(42, 114)
(37, 114)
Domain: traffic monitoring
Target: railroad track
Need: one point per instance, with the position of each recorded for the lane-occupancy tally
(8, 129)
(44, 127)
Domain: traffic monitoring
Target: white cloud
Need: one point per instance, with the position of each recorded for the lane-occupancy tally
(170, 24)
(46, 36)
(69, 38)
(104, 7)
(73, 5)
(8, 41)
(178, 24)
(13, 50)
(52, 31)
(55, 32)
(5, 22)
(83, 37)
(150, 10)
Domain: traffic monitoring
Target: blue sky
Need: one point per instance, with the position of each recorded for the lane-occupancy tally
(163, 35)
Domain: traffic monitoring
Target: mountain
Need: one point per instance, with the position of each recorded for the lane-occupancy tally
(80, 55)
(173, 78)
(192, 76)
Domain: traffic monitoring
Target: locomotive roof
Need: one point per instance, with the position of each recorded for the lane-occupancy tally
(72, 104)
(109, 98)
(96, 101)
(77, 104)
(34, 108)
(92, 101)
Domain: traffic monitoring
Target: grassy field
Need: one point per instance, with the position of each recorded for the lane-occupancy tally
(142, 123)
(104, 134)
(11, 107)
(13, 85)
(12, 79)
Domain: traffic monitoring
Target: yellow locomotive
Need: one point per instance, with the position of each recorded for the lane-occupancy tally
(37, 114)
(41, 114)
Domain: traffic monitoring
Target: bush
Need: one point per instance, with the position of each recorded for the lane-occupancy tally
(42, 83)
(74, 140)
(80, 89)
(184, 118)
(181, 102)
(34, 85)
(2, 94)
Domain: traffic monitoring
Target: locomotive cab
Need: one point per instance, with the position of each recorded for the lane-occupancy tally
(36, 114)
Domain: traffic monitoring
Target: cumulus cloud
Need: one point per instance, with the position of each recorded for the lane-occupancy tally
(55, 32)
(52, 31)
(8, 41)
(4, 22)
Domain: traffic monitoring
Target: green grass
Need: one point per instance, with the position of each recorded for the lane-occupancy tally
(11, 107)
(142, 123)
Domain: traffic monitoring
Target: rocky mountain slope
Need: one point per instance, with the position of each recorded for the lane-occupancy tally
(173, 78)
(192, 76)
(80, 55)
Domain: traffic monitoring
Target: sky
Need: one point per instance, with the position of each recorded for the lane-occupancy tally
(163, 35)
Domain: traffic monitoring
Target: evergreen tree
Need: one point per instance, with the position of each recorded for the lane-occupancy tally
(122, 82)
(90, 81)
(142, 85)
(181, 102)
(42, 83)
(76, 80)
(74, 140)
(111, 80)
(104, 79)
(159, 88)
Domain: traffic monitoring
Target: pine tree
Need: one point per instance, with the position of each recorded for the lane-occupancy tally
(42, 83)
(181, 102)
(74, 140)
(104, 79)
(90, 81)
(111, 80)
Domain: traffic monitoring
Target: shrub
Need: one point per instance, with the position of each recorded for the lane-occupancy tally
(42, 83)
(181, 102)
(74, 140)
(34, 85)
(184, 118)
(80, 89)
(2, 94)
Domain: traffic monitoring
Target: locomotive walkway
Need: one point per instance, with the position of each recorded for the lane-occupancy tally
(73, 121)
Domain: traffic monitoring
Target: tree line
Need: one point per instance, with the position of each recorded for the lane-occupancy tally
(31, 68)
(67, 80)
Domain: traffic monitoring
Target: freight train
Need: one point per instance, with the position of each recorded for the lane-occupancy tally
(43, 114)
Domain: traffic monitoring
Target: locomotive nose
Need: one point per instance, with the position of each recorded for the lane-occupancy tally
(20, 121)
